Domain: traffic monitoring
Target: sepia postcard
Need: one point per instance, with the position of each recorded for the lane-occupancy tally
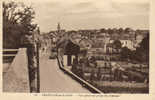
(77, 49)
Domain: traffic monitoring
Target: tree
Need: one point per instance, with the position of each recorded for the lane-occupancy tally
(103, 30)
(127, 30)
(144, 45)
(120, 30)
(110, 31)
(142, 52)
(117, 45)
(125, 53)
(138, 31)
(114, 30)
(17, 22)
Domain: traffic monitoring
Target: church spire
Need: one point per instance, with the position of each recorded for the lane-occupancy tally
(58, 27)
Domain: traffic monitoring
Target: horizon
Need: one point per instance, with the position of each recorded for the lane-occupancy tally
(96, 29)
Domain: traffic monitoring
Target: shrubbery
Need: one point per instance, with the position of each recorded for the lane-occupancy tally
(17, 22)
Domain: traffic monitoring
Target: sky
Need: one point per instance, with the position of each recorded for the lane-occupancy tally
(91, 14)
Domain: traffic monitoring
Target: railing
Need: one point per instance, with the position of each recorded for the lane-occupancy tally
(10, 49)
(9, 54)
(6, 52)
(83, 82)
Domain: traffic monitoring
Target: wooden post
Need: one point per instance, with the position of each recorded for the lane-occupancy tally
(69, 60)
(38, 69)
(33, 66)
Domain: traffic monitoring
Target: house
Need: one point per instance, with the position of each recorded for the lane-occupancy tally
(102, 36)
(128, 43)
(76, 37)
(85, 43)
(115, 36)
(109, 48)
(67, 51)
(127, 40)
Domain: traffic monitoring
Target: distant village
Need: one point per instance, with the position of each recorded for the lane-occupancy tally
(99, 41)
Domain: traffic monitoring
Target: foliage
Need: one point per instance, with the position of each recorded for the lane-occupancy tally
(142, 52)
(127, 30)
(103, 30)
(144, 45)
(110, 31)
(17, 22)
(117, 45)
(125, 53)
(120, 30)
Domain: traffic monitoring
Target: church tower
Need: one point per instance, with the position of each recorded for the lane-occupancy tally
(58, 28)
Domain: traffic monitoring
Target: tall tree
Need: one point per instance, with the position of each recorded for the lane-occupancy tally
(17, 22)
(110, 31)
(125, 53)
(120, 30)
(145, 43)
(143, 50)
(117, 45)
(127, 30)
(103, 30)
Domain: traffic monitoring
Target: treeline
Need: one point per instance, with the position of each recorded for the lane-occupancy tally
(120, 30)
